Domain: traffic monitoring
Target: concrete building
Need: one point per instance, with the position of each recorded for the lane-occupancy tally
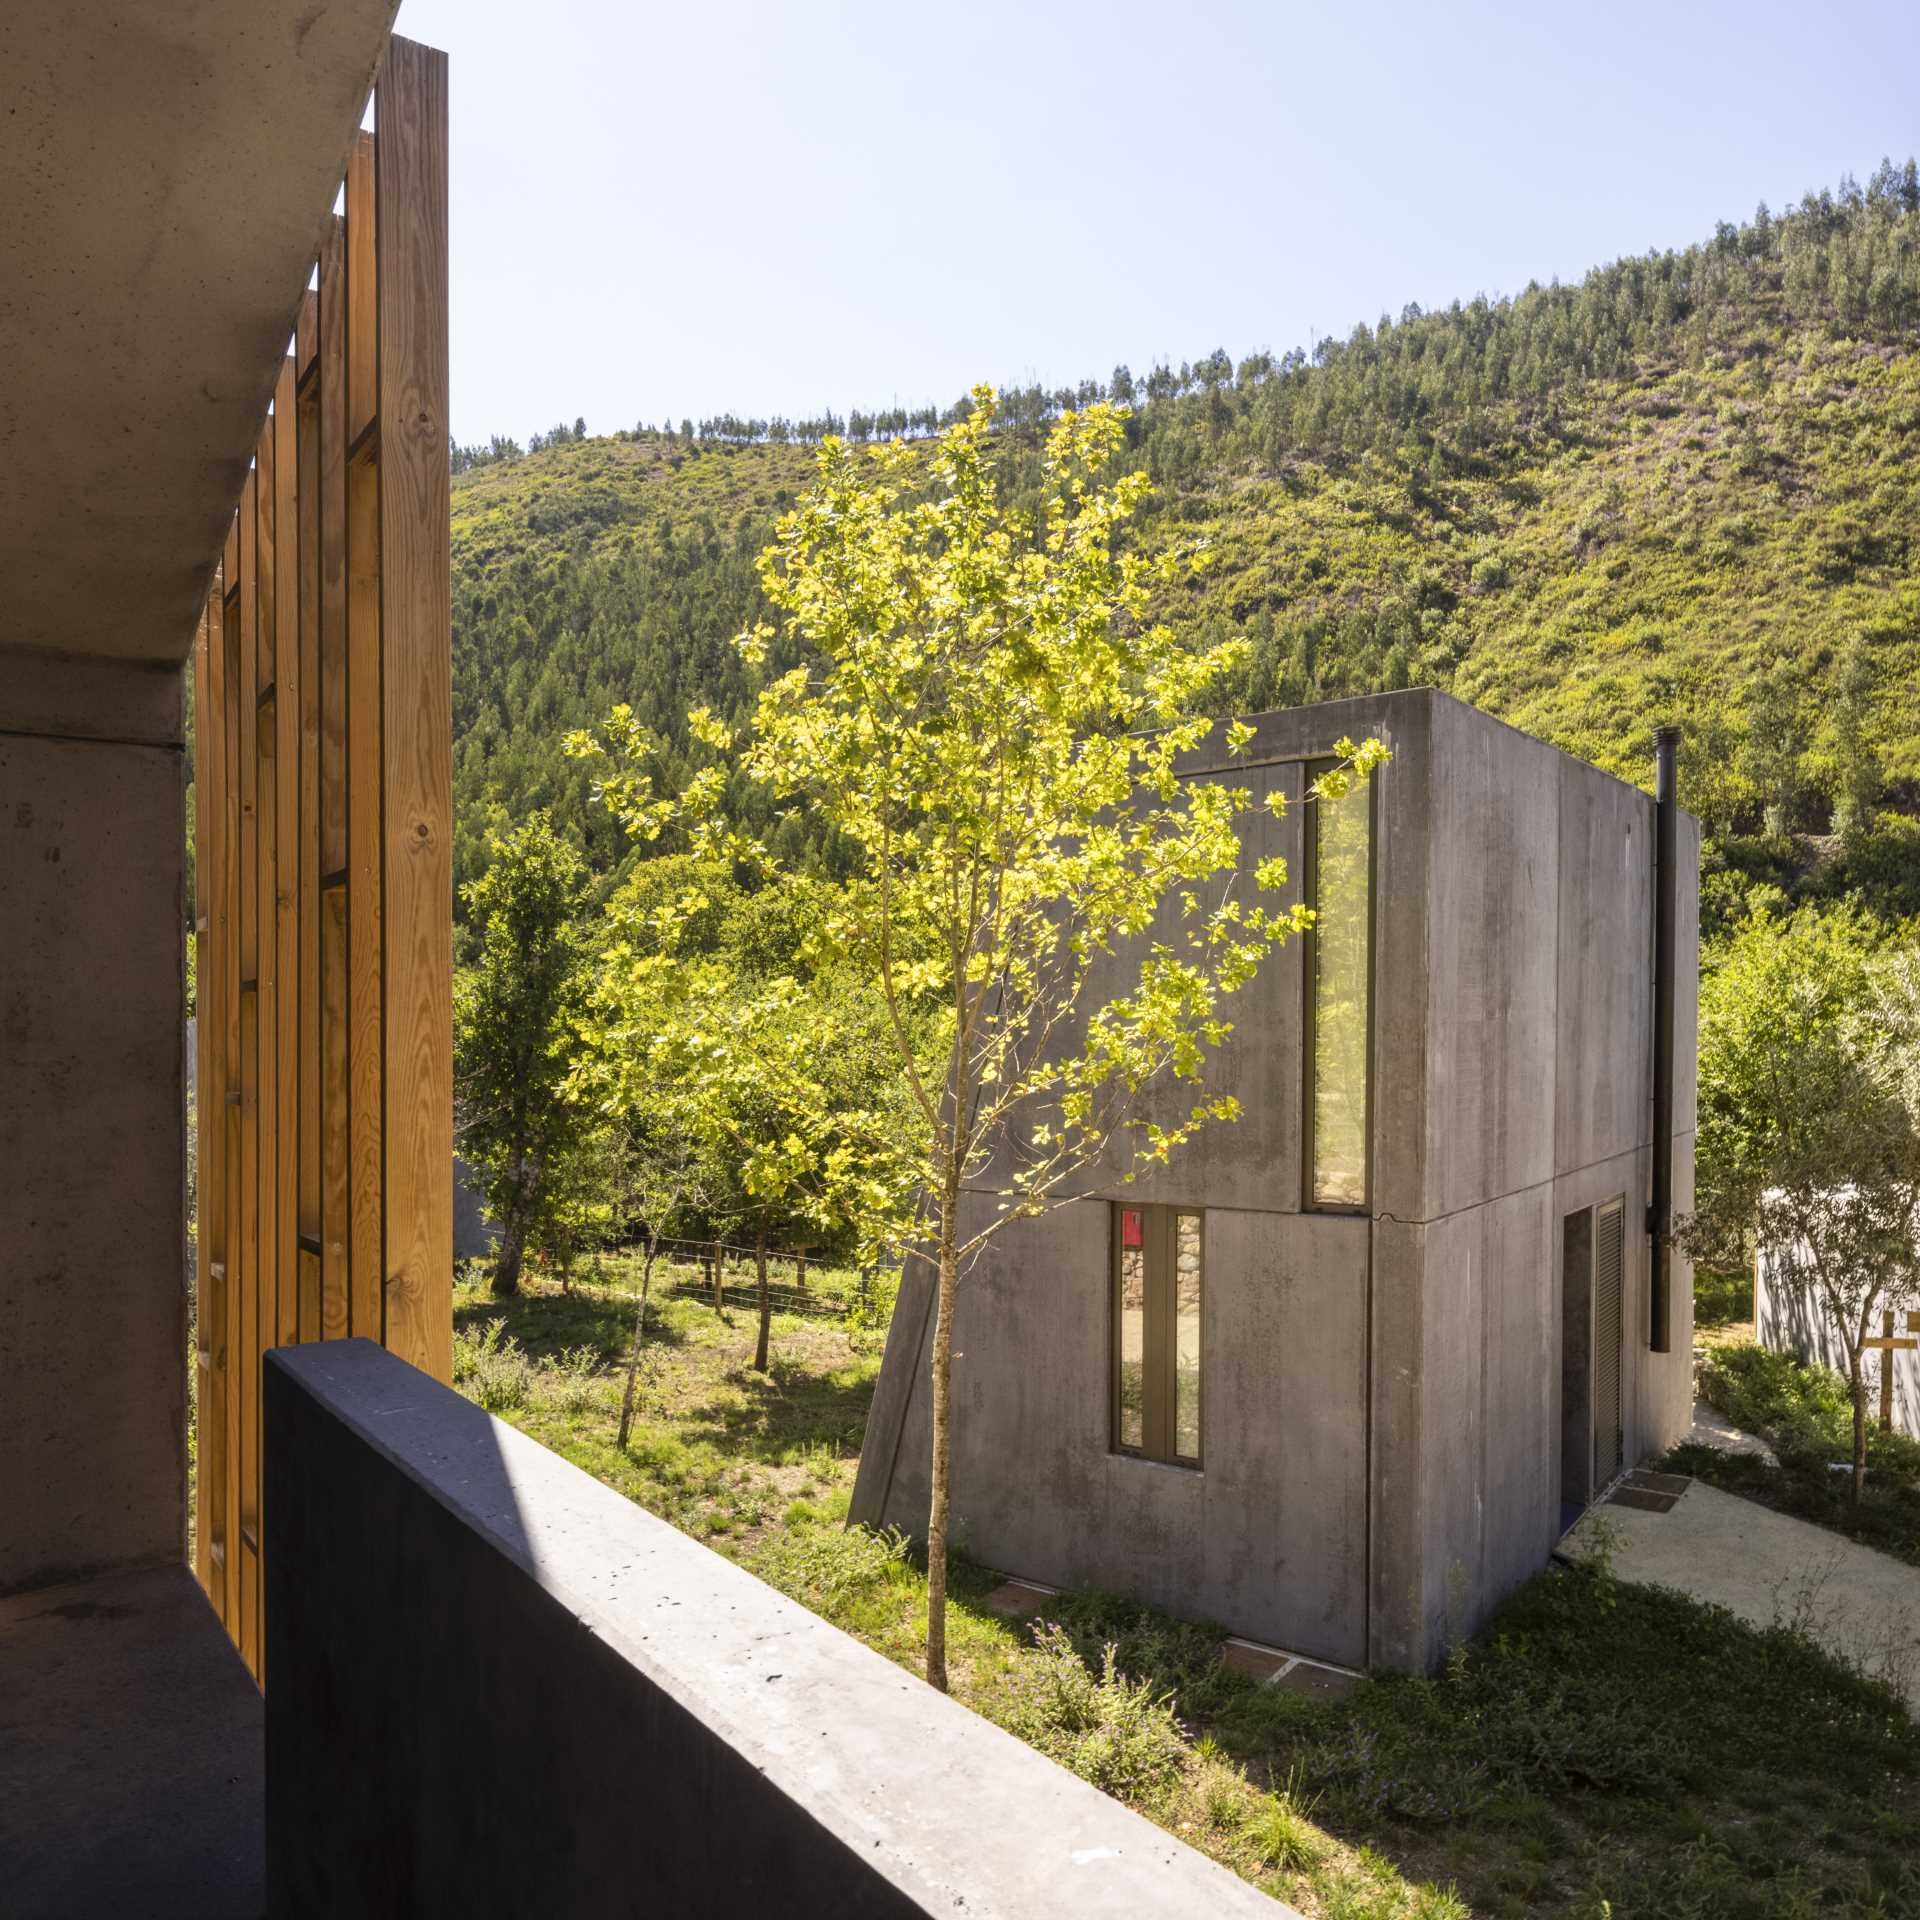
(1341, 1374)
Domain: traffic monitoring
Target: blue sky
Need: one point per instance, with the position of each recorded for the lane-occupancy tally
(696, 206)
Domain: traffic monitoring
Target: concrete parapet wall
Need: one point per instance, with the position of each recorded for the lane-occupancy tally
(495, 1686)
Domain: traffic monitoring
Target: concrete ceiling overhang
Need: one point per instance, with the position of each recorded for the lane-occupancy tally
(166, 170)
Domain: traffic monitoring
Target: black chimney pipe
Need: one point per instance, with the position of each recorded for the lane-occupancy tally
(1666, 837)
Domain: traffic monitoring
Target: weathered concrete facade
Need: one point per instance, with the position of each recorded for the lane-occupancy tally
(1384, 1388)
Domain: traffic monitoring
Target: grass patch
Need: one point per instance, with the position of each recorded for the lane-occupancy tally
(1601, 1750)
(1804, 1413)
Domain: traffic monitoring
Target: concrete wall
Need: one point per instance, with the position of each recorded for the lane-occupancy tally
(92, 1117)
(495, 1686)
(1268, 1538)
(1540, 1016)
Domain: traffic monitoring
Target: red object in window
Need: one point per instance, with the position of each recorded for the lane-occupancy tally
(1129, 1227)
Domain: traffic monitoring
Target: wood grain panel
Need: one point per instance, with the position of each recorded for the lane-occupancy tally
(363, 392)
(306, 333)
(335, 1189)
(244, 1267)
(266, 970)
(227, 1352)
(207, 1104)
(307, 877)
(286, 872)
(366, 1233)
(417, 796)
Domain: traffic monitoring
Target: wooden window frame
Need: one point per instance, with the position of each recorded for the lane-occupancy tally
(1310, 971)
(1160, 1344)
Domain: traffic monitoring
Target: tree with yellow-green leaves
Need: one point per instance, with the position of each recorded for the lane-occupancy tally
(989, 720)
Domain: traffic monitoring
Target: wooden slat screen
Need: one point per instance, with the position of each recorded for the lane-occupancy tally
(323, 882)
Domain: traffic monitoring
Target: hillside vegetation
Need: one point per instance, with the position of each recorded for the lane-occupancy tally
(1686, 489)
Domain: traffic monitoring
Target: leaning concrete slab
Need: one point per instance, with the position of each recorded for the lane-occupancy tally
(459, 1622)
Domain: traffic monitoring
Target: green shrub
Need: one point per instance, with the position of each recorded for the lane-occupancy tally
(1116, 1733)
(490, 1368)
(1805, 1412)
(579, 1390)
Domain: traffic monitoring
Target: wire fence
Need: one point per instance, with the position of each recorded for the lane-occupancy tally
(726, 1276)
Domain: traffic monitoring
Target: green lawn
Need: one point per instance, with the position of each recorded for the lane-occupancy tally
(1601, 1750)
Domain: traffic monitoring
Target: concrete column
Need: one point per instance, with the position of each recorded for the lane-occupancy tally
(92, 1116)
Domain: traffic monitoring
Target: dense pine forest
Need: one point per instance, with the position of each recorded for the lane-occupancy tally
(1686, 488)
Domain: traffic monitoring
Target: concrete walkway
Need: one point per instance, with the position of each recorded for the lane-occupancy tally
(1768, 1567)
(1712, 1428)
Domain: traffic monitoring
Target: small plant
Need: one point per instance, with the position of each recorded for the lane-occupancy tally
(1282, 1830)
(579, 1390)
(490, 1368)
(1118, 1734)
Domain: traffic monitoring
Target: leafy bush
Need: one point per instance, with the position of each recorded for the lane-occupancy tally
(1803, 1411)
(1119, 1734)
(490, 1368)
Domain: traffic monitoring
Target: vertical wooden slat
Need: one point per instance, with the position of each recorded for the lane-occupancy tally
(266, 564)
(305, 333)
(410, 99)
(332, 673)
(286, 841)
(226, 702)
(243, 1270)
(366, 1261)
(363, 394)
(307, 877)
(207, 1114)
(366, 1237)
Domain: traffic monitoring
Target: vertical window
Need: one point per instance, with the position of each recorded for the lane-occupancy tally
(1157, 1255)
(1339, 987)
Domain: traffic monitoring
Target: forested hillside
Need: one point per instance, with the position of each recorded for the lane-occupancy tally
(1687, 488)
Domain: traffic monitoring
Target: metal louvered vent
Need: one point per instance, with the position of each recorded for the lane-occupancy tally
(1609, 1239)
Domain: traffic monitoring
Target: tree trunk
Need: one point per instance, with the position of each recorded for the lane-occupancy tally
(719, 1281)
(942, 1452)
(506, 1268)
(639, 1336)
(1857, 1380)
(766, 1300)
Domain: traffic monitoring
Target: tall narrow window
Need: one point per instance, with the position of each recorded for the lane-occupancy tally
(1157, 1256)
(1339, 985)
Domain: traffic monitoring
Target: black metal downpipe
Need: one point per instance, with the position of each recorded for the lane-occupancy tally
(1666, 841)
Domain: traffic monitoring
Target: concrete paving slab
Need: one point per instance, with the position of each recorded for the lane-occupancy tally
(1016, 1600)
(1770, 1568)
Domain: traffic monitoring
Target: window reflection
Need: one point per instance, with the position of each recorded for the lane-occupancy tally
(1341, 942)
(1186, 1354)
(1133, 1330)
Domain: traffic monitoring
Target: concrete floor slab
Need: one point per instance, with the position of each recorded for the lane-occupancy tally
(1768, 1567)
(131, 1755)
